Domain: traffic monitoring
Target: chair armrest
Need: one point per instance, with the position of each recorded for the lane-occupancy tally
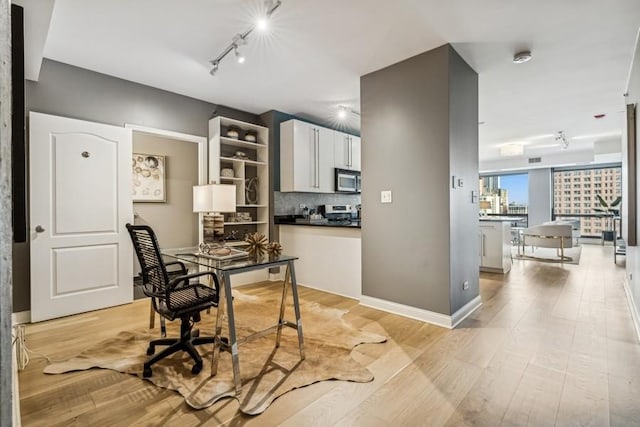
(186, 277)
(182, 269)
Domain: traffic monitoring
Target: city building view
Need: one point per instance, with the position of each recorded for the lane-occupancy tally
(575, 195)
(505, 195)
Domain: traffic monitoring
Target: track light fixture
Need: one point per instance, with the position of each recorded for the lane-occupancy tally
(241, 38)
(344, 112)
(561, 138)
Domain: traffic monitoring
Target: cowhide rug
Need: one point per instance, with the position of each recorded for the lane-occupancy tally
(267, 372)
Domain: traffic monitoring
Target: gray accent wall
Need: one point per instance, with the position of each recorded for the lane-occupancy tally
(540, 196)
(69, 91)
(463, 164)
(419, 127)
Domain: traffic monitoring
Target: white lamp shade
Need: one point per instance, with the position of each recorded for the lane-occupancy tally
(214, 198)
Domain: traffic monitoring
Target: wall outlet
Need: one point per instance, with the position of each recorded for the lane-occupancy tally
(465, 285)
(385, 196)
(302, 206)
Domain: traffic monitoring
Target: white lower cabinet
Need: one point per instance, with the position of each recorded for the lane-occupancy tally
(495, 246)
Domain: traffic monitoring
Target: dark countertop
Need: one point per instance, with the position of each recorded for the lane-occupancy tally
(501, 218)
(299, 220)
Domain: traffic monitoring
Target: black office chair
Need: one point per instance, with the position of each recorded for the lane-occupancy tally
(172, 297)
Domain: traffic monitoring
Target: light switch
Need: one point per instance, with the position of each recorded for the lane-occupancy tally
(385, 196)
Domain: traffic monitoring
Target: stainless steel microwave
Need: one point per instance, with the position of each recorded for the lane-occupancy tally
(347, 181)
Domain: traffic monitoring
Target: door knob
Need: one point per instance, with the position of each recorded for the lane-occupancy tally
(39, 229)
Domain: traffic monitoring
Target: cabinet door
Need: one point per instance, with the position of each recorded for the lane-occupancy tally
(356, 162)
(306, 158)
(346, 151)
(491, 246)
(305, 153)
(326, 174)
(341, 150)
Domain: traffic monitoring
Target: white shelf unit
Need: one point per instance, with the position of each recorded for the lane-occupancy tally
(222, 155)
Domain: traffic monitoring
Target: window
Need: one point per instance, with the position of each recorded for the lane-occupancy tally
(580, 190)
(509, 194)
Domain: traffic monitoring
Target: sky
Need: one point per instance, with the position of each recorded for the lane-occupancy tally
(518, 186)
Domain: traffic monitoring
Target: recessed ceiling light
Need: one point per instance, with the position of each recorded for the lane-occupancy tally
(522, 57)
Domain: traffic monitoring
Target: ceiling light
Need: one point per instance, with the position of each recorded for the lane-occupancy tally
(262, 24)
(522, 57)
(515, 149)
(241, 38)
(342, 112)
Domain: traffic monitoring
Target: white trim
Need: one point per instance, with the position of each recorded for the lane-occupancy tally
(432, 317)
(21, 317)
(465, 311)
(635, 314)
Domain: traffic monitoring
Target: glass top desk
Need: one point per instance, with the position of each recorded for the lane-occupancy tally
(224, 269)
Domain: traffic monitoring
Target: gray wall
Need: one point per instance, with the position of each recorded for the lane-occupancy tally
(633, 252)
(74, 92)
(540, 196)
(463, 163)
(406, 114)
(173, 221)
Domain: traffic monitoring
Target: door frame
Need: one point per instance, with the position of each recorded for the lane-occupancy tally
(203, 150)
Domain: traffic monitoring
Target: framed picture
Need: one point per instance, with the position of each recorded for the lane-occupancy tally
(148, 178)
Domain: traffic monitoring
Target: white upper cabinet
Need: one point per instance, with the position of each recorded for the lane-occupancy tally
(306, 157)
(346, 151)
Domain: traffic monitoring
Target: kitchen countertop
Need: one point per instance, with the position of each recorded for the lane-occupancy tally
(299, 220)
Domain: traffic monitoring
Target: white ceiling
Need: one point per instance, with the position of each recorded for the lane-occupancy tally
(312, 59)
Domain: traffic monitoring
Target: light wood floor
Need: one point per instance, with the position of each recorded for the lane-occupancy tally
(551, 345)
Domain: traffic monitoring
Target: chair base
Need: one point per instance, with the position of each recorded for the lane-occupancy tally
(187, 342)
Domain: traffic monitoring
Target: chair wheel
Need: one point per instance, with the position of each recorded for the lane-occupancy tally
(146, 371)
(196, 368)
(150, 350)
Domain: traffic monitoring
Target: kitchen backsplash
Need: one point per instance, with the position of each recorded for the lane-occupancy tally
(289, 203)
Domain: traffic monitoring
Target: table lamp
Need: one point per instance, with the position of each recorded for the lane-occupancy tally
(214, 199)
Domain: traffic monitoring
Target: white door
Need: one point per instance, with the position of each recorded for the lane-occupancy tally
(80, 198)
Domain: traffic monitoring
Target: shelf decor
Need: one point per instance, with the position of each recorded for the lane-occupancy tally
(148, 175)
(256, 244)
(274, 248)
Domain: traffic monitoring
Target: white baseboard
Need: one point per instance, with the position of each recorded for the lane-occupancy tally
(21, 317)
(427, 316)
(635, 314)
(465, 311)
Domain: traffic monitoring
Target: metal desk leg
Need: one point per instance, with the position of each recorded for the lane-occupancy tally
(296, 306)
(233, 341)
(218, 329)
(282, 302)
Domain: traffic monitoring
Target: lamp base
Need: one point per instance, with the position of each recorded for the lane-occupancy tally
(213, 227)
